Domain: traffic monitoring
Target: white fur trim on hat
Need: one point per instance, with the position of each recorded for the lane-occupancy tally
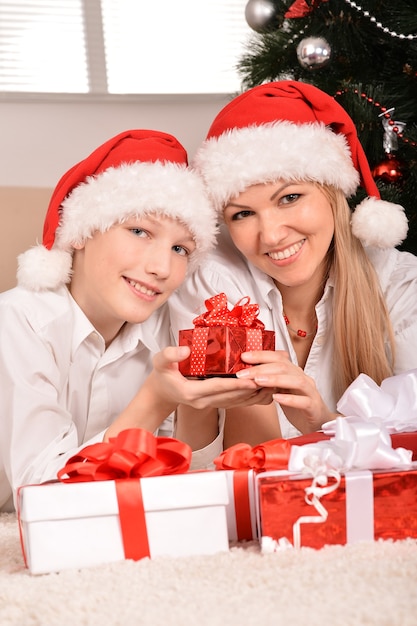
(137, 189)
(379, 223)
(257, 154)
(111, 197)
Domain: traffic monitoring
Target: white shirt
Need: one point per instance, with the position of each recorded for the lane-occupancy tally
(226, 270)
(60, 389)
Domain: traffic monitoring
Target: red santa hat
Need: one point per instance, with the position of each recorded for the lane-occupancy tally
(137, 172)
(294, 131)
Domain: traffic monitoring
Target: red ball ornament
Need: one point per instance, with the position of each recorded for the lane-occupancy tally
(390, 170)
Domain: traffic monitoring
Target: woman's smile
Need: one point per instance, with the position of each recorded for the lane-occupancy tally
(287, 252)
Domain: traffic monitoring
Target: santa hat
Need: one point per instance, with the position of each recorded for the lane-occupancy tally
(294, 131)
(138, 172)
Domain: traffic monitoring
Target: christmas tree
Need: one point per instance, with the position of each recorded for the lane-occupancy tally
(366, 57)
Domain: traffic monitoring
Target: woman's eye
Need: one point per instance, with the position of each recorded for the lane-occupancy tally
(241, 215)
(291, 197)
(181, 250)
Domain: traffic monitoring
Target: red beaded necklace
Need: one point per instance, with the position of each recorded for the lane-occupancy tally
(299, 332)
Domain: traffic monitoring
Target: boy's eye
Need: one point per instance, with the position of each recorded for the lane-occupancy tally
(139, 232)
(241, 215)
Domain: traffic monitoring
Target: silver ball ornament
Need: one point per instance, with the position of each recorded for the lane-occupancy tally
(313, 53)
(260, 14)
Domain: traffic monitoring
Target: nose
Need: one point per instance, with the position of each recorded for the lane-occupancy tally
(158, 261)
(272, 227)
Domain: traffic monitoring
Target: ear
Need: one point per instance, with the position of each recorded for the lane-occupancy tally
(78, 245)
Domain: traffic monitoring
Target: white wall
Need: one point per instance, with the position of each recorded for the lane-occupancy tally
(41, 140)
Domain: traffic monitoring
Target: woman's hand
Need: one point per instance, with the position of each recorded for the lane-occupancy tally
(214, 392)
(291, 387)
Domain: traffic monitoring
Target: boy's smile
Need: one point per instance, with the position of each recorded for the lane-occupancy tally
(126, 273)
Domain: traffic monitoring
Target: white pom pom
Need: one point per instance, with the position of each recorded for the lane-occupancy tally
(40, 268)
(379, 224)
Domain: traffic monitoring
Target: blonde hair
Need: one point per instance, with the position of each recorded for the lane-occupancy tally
(363, 334)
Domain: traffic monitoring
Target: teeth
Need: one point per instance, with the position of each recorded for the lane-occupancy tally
(285, 254)
(141, 288)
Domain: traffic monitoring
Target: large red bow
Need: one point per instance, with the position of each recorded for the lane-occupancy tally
(218, 314)
(271, 455)
(134, 453)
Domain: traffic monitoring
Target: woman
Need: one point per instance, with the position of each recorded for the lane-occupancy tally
(280, 161)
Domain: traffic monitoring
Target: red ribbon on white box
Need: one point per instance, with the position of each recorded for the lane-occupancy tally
(132, 454)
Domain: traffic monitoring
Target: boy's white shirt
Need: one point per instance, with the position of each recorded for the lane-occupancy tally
(60, 389)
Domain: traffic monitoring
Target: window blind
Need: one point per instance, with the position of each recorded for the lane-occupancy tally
(121, 46)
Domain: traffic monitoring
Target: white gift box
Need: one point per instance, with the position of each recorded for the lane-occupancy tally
(78, 525)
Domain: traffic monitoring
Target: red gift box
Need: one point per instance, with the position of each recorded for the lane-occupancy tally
(240, 463)
(220, 336)
(365, 506)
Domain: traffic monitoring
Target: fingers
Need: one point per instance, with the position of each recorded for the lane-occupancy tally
(265, 356)
(170, 355)
(276, 376)
(269, 371)
(224, 392)
(296, 401)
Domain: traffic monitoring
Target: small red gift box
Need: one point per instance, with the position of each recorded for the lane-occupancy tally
(220, 336)
(365, 506)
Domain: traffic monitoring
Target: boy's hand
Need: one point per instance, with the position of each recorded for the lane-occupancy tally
(201, 394)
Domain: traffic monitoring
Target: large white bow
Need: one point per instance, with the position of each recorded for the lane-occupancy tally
(357, 444)
(393, 404)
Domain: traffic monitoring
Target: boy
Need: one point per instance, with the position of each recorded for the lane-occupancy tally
(79, 332)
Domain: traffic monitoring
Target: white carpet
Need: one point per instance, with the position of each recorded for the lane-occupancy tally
(359, 585)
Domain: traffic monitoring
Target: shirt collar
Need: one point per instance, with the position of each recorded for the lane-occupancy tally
(129, 337)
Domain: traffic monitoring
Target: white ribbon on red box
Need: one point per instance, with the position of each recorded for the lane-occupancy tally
(357, 444)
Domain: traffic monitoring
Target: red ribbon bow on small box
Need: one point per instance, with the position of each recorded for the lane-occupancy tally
(218, 313)
(221, 335)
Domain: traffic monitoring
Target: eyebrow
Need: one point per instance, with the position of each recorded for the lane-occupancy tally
(274, 195)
